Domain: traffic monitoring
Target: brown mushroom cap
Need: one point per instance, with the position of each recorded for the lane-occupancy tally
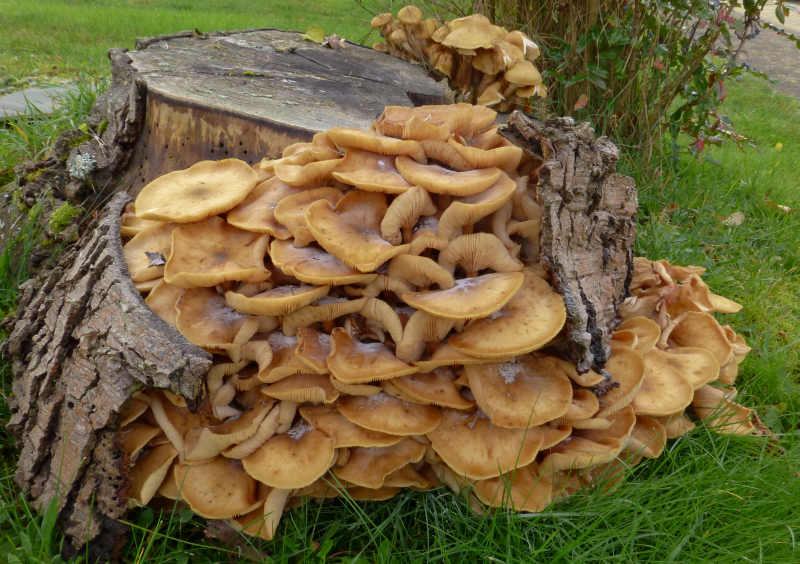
(211, 441)
(256, 212)
(694, 295)
(648, 438)
(469, 209)
(422, 328)
(135, 436)
(212, 251)
(220, 489)
(476, 252)
(469, 298)
(702, 330)
(154, 239)
(350, 137)
(474, 447)
(697, 365)
(404, 213)
(440, 180)
(521, 394)
(382, 313)
(646, 330)
(149, 471)
(553, 435)
(435, 388)
(293, 459)
(381, 20)
(446, 355)
(384, 413)
(315, 266)
(409, 15)
(303, 388)
(207, 321)
(347, 434)
(524, 489)
(311, 174)
(369, 171)
(162, 300)
(664, 390)
(626, 367)
(353, 362)
(444, 153)
(676, 425)
(291, 210)
(717, 410)
(205, 189)
(473, 32)
(424, 236)
(506, 159)
(369, 466)
(277, 301)
(527, 322)
(523, 42)
(524, 74)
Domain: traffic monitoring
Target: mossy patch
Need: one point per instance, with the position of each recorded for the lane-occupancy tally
(61, 217)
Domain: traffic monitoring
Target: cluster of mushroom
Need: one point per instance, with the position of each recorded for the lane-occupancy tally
(485, 63)
(379, 320)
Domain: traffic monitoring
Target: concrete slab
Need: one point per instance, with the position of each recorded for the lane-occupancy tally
(16, 103)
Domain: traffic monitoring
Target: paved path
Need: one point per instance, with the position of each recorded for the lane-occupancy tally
(16, 103)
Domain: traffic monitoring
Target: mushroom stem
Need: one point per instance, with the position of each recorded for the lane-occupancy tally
(288, 409)
(472, 273)
(328, 326)
(444, 201)
(464, 73)
(273, 509)
(467, 229)
(389, 298)
(229, 286)
(407, 233)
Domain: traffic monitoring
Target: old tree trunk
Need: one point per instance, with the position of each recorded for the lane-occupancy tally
(83, 340)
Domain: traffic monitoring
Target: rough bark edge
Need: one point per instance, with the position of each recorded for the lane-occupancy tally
(82, 342)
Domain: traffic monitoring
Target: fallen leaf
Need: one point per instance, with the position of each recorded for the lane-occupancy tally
(582, 101)
(314, 34)
(335, 42)
(736, 218)
(156, 259)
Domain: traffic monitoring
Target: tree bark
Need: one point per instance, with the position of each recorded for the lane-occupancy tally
(588, 227)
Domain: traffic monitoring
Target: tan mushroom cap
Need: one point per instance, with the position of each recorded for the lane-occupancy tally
(220, 489)
(445, 153)
(213, 440)
(421, 329)
(404, 213)
(716, 408)
(263, 521)
(277, 301)
(205, 189)
(381, 283)
(469, 209)
(266, 429)
(432, 388)
(303, 388)
(257, 210)
(648, 438)
(380, 47)
(347, 434)
(664, 390)
(291, 211)
(524, 489)
(138, 405)
(409, 15)
(293, 459)
(476, 252)
(136, 435)
(369, 466)
(523, 74)
(369, 171)
(532, 318)
(469, 298)
(584, 405)
(407, 477)
(424, 236)
(535, 90)
(327, 309)
(351, 231)
(419, 271)
(384, 413)
(440, 180)
(446, 355)
(646, 330)
(676, 425)
(212, 251)
(149, 471)
(353, 138)
(521, 394)
(311, 174)
(695, 295)
(492, 95)
(284, 360)
(353, 362)
(702, 330)
(419, 130)
(382, 313)
(381, 20)
(553, 435)
(474, 447)
(355, 389)
(473, 32)
(697, 365)
(625, 366)
(162, 300)
(130, 225)
(524, 43)
(315, 266)
(207, 321)
(154, 239)
(394, 120)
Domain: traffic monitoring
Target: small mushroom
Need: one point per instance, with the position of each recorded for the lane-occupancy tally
(347, 434)
(476, 252)
(291, 210)
(524, 489)
(403, 214)
(432, 388)
(256, 212)
(149, 472)
(465, 211)
(315, 266)
(625, 367)
(716, 408)
(220, 489)
(369, 467)
(162, 300)
(353, 362)
(352, 138)
(148, 251)
(440, 180)
(384, 413)
(369, 171)
(277, 301)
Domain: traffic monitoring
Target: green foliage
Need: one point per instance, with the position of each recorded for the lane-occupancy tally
(62, 216)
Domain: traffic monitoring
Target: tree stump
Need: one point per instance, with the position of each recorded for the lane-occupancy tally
(83, 340)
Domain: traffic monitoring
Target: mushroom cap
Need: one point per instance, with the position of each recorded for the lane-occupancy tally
(694, 295)
(303, 388)
(444, 153)
(138, 405)
(476, 252)
(256, 212)
(473, 32)
(162, 300)
(409, 15)
(446, 355)
(313, 348)
(664, 390)
(277, 301)
(424, 236)
(136, 435)
(553, 435)
(154, 239)
(489, 61)
(205, 189)
(521, 394)
(212, 251)
(625, 366)
(492, 95)
(697, 365)
(220, 489)
(474, 447)
(381, 20)
(523, 42)
(353, 362)
(315, 266)
(380, 46)
(419, 271)
(440, 180)
(311, 174)
(351, 230)
(717, 410)
(676, 425)
(327, 310)
(291, 211)
(405, 212)
(506, 159)
(439, 35)
(355, 389)
(369, 466)
(421, 328)
(293, 459)
(369, 171)
(646, 330)
(469, 209)
(419, 130)
(469, 298)
(347, 434)
(149, 471)
(381, 312)
(648, 438)
(387, 414)
(213, 440)
(351, 137)
(531, 319)
(394, 120)
(524, 489)
(434, 388)
(207, 321)
(702, 330)
(284, 359)
(524, 74)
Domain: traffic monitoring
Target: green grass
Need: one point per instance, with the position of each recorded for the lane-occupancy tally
(708, 499)
(63, 37)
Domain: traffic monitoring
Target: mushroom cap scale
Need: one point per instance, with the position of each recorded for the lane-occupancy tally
(256, 212)
(473, 447)
(353, 362)
(369, 171)
(220, 489)
(521, 394)
(350, 137)
(440, 180)
(157, 239)
(212, 251)
(203, 190)
(346, 433)
(469, 298)
(315, 266)
(277, 301)
(387, 414)
(531, 319)
(351, 230)
(369, 466)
